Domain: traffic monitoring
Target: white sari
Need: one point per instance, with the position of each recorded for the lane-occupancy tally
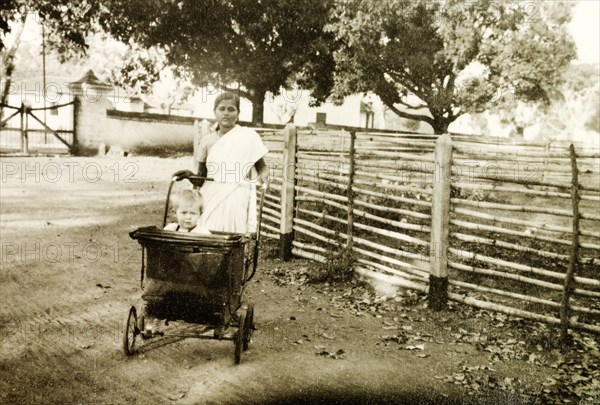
(230, 200)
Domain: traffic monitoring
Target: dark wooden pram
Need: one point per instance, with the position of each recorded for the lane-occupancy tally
(196, 279)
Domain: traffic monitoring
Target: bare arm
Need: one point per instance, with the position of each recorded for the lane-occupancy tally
(202, 171)
(263, 171)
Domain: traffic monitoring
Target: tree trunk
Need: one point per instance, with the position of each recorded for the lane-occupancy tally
(9, 64)
(440, 125)
(258, 105)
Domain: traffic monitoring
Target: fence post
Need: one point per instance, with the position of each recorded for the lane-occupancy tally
(440, 223)
(565, 310)
(350, 194)
(546, 158)
(76, 110)
(24, 126)
(286, 229)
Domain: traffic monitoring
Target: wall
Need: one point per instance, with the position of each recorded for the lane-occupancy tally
(105, 115)
(98, 122)
(144, 130)
(347, 114)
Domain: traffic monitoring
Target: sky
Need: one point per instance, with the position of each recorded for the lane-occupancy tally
(585, 30)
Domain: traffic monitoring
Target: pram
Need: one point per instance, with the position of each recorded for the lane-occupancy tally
(195, 279)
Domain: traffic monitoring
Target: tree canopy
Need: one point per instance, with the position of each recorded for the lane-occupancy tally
(577, 107)
(434, 61)
(427, 61)
(259, 44)
(68, 24)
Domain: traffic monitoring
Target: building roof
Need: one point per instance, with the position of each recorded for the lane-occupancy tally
(90, 78)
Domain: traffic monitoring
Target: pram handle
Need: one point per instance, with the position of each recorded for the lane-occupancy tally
(258, 224)
(196, 178)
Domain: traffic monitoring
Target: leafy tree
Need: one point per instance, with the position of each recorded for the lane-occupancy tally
(258, 44)
(593, 122)
(7, 56)
(576, 108)
(133, 68)
(74, 42)
(67, 24)
(400, 49)
(11, 11)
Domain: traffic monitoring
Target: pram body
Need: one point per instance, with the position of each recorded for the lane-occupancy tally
(196, 279)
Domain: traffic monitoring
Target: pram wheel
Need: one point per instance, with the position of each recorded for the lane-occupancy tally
(130, 331)
(248, 327)
(238, 339)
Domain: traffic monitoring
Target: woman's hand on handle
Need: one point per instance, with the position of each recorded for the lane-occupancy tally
(264, 180)
(263, 173)
(182, 174)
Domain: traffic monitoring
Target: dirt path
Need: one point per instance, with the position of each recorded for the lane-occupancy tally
(69, 273)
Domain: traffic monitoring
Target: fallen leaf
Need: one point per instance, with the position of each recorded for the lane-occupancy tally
(340, 354)
(415, 347)
(577, 378)
(395, 338)
(178, 395)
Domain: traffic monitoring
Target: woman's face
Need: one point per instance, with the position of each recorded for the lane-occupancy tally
(226, 114)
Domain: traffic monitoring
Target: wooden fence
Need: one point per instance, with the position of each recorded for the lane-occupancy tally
(504, 226)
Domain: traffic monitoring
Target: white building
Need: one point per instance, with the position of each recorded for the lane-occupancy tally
(356, 111)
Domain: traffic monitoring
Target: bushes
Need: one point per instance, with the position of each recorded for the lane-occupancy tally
(338, 267)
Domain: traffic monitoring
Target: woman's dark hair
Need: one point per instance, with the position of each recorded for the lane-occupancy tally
(227, 96)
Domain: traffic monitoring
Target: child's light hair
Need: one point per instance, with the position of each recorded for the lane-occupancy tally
(188, 197)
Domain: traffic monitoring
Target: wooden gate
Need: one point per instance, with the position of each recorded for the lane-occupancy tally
(24, 132)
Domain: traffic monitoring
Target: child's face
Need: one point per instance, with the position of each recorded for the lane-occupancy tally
(187, 215)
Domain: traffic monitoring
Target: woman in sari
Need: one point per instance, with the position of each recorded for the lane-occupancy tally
(233, 157)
